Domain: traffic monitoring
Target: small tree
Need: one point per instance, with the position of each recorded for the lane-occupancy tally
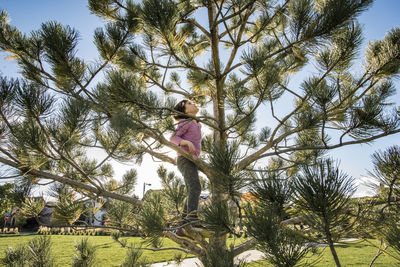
(382, 215)
(14, 257)
(32, 207)
(387, 175)
(134, 258)
(322, 194)
(86, 254)
(40, 249)
(232, 57)
(282, 245)
(37, 253)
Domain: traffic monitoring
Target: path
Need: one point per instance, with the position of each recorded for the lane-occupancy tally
(248, 256)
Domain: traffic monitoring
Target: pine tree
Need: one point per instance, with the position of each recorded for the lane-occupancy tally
(234, 58)
(36, 252)
(323, 194)
(85, 254)
(380, 218)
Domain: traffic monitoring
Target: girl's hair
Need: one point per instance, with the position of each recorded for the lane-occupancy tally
(180, 107)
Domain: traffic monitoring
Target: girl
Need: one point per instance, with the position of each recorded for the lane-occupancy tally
(188, 136)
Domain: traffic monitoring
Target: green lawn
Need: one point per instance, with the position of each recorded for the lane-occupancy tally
(109, 253)
(357, 253)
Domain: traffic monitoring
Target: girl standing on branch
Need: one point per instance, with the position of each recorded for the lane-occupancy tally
(188, 136)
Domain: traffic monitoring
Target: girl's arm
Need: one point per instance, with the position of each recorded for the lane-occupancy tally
(179, 141)
(180, 131)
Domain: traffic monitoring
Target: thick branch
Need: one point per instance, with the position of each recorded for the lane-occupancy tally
(161, 156)
(68, 181)
(185, 243)
(252, 242)
(197, 236)
(203, 166)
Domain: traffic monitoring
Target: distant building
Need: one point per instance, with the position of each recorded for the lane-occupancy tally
(46, 215)
(99, 217)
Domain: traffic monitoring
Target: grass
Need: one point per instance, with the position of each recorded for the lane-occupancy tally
(110, 253)
(357, 253)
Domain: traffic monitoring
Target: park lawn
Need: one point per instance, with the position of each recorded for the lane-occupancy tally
(108, 253)
(357, 253)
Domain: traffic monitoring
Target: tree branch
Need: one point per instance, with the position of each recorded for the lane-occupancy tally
(203, 166)
(185, 242)
(238, 39)
(161, 156)
(201, 28)
(256, 155)
(234, 14)
(361, 141)
(68, 181)
(252, 242)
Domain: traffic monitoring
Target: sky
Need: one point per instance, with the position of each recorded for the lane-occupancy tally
(27, 15)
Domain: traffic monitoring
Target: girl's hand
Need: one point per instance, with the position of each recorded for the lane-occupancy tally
(189, 144)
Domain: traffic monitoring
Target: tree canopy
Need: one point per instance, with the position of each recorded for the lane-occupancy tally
(234, 58)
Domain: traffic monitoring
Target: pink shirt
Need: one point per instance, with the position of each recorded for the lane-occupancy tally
(188, 130)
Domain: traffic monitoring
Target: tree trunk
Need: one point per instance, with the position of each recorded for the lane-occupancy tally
(331, 246)
(218, 99)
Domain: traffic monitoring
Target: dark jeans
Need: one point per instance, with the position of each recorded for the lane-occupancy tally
(191, 177)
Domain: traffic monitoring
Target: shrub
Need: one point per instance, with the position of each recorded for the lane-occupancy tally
(16, 257)
(86, 253)
(36, 253)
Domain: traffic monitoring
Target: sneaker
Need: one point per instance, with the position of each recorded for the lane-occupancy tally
(180, 232)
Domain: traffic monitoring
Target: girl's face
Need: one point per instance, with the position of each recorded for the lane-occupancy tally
(191, 108)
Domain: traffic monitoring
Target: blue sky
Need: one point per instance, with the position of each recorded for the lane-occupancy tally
(27, 15)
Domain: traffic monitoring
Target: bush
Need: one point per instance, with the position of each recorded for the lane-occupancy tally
(9, 230)
(43, 230)
(86, 253)
(16, 257)
(40, 249)
(36, 253)
(134, 258)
